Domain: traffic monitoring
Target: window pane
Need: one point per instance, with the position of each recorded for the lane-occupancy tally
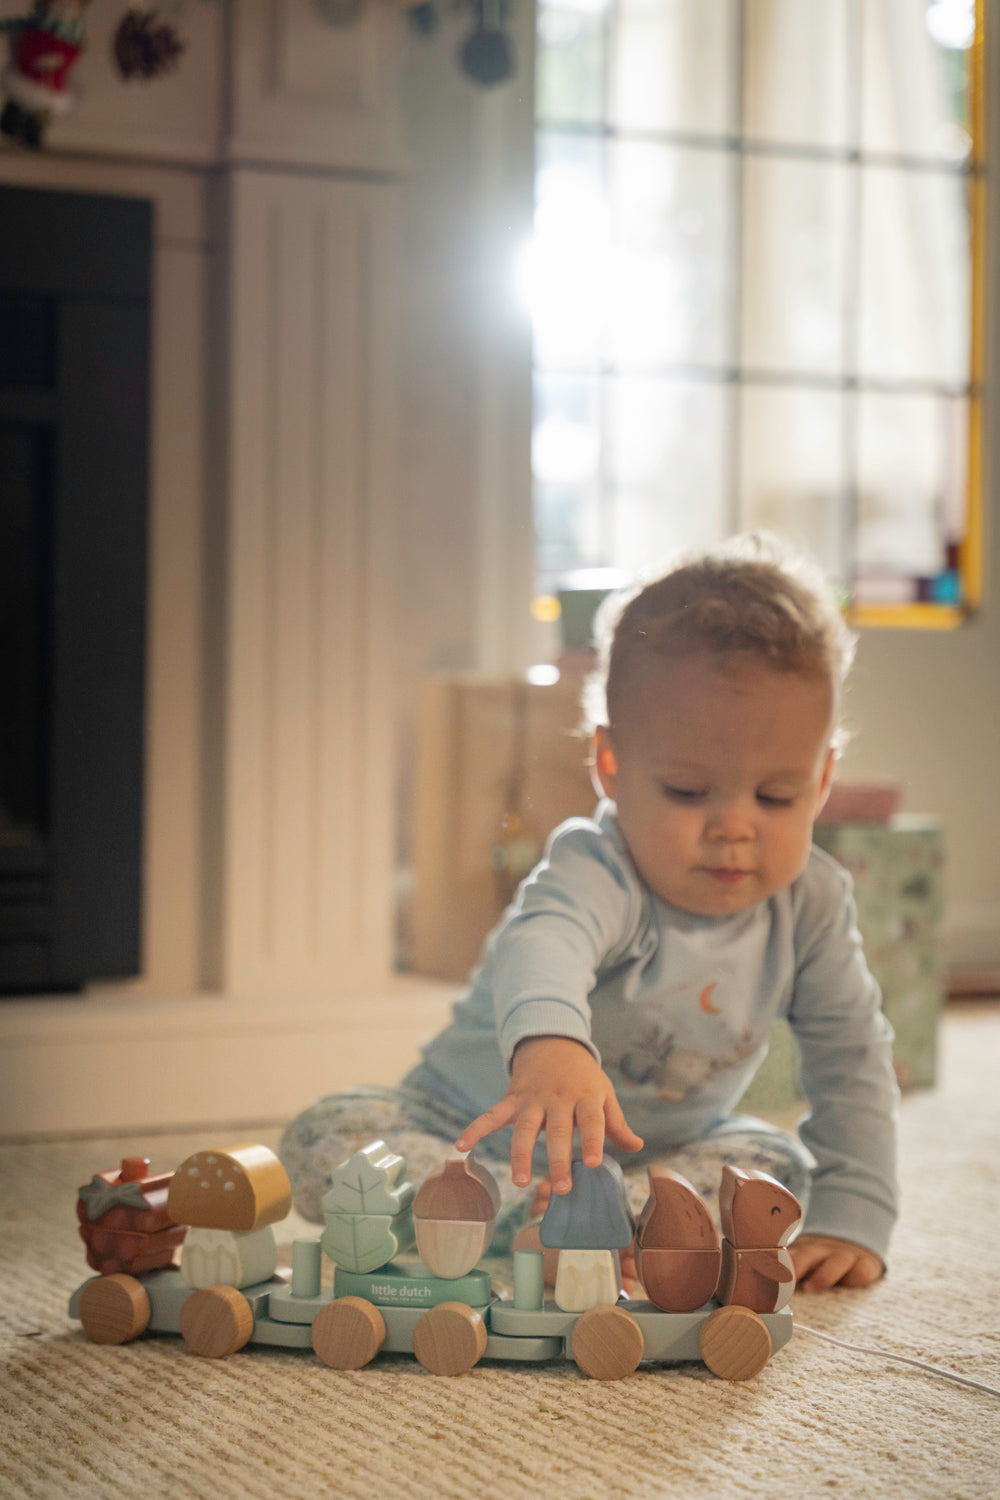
(565, 459)
(670, 287)
(911, 483)
(915, 77)
(666, 467)
(569, 75)
(791, 469)
(915, 296)
(673, 66)
(794, 258)
(795, 72)
(568, 274)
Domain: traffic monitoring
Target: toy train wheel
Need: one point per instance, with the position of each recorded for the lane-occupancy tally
(347, 1334)
(450, 1339)
(114, 1309)
(216, 1321)
(607, 1343)
(735, 1343)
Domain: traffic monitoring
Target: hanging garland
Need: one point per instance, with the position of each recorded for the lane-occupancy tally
(46, 43)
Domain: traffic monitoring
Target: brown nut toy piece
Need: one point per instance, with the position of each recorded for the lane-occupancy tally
(454, 1215)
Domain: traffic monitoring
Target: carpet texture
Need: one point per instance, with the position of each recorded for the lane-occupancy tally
(151, 1418)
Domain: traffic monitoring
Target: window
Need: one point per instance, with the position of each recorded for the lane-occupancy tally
(755, 281)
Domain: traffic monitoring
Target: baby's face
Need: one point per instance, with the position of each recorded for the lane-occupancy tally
(718, 768)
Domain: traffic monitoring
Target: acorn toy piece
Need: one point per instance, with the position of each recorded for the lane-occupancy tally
(678, 1257)
(454, 1214)
(759, 1217)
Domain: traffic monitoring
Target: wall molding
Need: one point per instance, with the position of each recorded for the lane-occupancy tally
(122, 1063)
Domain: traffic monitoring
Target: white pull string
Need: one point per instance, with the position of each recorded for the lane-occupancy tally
(919, 1364)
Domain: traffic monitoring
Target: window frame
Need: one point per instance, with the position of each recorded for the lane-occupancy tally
(935, 614)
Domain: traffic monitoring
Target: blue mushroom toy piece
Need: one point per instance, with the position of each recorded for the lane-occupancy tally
(593, 1215)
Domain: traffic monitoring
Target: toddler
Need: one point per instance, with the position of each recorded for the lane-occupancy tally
(627, 995)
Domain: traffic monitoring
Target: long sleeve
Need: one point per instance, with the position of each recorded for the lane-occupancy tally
(845, 1043)
(579, 908)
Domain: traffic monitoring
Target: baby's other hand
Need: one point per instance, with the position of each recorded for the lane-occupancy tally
(821, 1262)
(555, 1086)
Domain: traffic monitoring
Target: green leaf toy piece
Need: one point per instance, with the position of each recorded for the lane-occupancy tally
(364, 1242)
(368, 1210)
(372, 1181)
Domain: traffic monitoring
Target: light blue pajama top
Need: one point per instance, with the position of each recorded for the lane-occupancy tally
(678, 1008)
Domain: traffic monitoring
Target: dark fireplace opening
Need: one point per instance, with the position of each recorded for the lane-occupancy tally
(25, 612)
(74, 357)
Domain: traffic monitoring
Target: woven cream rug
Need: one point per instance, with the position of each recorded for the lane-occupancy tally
(152, 1419)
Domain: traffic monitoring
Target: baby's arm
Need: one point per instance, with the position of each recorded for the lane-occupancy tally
(555, 1084)
(845, 1046)
(822, 1262)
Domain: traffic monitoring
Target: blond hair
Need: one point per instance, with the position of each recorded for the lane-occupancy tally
(752, 594)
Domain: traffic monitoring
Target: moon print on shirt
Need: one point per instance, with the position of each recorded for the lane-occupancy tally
(705, 1000)
(673, 1044)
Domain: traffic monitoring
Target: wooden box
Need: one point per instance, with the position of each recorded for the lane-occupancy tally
(499, 765)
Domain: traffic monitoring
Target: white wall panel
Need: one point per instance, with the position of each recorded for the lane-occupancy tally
(306, 92)
(306, 835)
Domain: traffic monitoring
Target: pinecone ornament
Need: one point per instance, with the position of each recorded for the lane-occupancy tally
(145, 45)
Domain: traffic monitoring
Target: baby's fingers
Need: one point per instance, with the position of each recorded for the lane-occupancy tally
(618, 1129)
(526, 1131)
(494, 1119)
(590, 1123)
(559, 1140)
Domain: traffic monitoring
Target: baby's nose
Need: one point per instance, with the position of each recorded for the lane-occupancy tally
(731, 821)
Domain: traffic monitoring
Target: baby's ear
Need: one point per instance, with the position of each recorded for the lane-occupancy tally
(604, 765)
(826, 780)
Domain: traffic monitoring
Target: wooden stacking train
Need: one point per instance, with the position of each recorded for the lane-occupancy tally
(720, 1302)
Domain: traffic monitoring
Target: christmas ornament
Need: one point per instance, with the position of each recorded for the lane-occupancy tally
(487, 54)
(145, 45)
(44, 46)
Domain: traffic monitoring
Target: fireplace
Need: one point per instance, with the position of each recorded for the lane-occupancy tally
(74, 356)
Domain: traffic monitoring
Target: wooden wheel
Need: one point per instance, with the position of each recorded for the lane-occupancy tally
(450, 1339)
(607, 1343)
(114, 1309)
(216, 1321)
(735, 1343)
(347, 1334)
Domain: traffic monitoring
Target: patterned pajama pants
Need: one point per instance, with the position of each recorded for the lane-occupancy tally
(423, 1130)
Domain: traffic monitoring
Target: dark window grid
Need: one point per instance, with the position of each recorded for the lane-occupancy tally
(744, 145)
(773, 379)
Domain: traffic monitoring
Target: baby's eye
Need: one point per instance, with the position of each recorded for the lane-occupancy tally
(768, 799)
(683, 793)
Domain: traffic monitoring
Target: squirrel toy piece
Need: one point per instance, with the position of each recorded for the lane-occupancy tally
(678, 1257)
(759, 1217)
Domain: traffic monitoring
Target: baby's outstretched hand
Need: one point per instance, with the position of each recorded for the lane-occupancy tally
(555, 1084)
(822, 1262)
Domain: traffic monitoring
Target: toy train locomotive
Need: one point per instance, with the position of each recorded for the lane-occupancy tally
(722, 1303)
